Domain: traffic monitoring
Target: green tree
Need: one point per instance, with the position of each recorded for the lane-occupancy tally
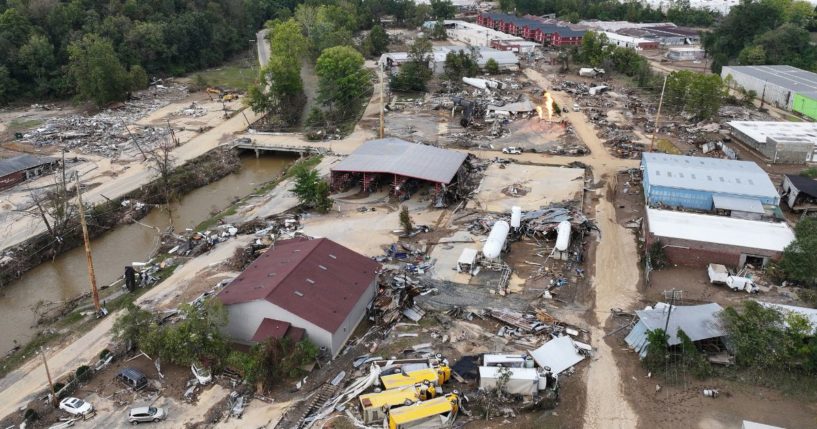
(96, 69)
(788, 44)
(656, 357)
(752, 55)
(132, 324)
(287, 41)
(592, 49)
(138, 78)
(405, 220)
(799, 261)
(507, 5)
(342, 80)
(37, 57)
(279, 89)
(414, 73)
(8, 86)
(311, 190)
(491, 66)
(459, 64)
(438, 32)
(442, 9)
(377, 41)
(695, 92)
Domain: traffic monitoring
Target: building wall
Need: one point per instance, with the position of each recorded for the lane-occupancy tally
(353, 319)
(692, 199)
(778, 96)
(805, 106)
(779, 153)
(12, 179)
(700, 254)
(245, 318)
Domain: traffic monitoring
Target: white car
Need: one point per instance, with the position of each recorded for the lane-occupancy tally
(512, 150)
(76, 406)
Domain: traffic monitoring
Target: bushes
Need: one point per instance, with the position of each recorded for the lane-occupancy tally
(83, 373)
(269, 363)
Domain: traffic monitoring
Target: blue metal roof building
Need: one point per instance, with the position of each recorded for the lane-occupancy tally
(706, 183)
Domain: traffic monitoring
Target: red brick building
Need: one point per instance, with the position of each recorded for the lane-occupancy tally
(531, 29)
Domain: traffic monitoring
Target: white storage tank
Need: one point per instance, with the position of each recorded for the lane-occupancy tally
(516, 216)
(496, 240)
(562, 236)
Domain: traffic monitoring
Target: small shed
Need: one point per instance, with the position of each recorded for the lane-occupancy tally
(699, 322)
(800, 192)
(467, 260)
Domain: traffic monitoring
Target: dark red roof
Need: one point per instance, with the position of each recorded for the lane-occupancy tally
(317, 280)
(270, 328)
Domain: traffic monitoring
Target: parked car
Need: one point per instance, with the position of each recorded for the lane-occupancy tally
(512, 150)
(76, 406)
(146, 414)
(132, 378)
(576, 107)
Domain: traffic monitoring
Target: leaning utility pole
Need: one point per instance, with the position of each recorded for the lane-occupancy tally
(50, 383)
(382, 107)
(87, 240)
(657, 114)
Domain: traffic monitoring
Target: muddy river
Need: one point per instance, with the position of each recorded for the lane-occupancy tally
(67, 276)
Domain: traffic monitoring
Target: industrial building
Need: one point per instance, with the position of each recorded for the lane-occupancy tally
(477, 35)
(776, 85)
(779, 142)
(637, 43)
(699, 239)
(800, 192)
(532, 29)
(301, 287)
(20, 168)
(699, 183)
(505, 59)
(400, 164)
(699, 323)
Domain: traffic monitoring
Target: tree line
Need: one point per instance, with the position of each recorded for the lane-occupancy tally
(101, 50)
(680, 12)
(757, 32)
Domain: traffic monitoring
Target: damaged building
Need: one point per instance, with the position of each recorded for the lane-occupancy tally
(300, 287)
(506, 60)
(401, 165)
(20, 168)
(699, 322)
(694, 239)
(800, 193)
(740, 188)
(778, 142)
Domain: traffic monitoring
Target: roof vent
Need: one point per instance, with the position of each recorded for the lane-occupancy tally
(333, 256)
(322, 267)
(299, 293)
(310, 281)
(272, 274)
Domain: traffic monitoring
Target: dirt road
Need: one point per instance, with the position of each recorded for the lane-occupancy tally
(615, 279)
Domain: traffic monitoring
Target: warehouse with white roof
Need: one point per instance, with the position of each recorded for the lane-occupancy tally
(778, 141)
(698, 239)
(741, 188)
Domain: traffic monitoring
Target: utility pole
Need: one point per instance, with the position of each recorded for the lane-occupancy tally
(144, 157)
(50, 383)
(763, 96)
(382, 107)
(671, 304)
(88, 255)
(658, 114)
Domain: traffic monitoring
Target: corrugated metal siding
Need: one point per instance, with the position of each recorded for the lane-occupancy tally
(637, 339)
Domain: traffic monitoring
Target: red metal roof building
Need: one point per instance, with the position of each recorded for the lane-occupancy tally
(532, 29)
(316, 287)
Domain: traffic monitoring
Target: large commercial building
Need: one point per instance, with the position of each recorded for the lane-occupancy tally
(301, 287)
(779, 142)
(778, 86)
(637, 43)
(506, 60)
(477, 35)
(532, 29)
(694, 239)
(24, 167)
(739, 187)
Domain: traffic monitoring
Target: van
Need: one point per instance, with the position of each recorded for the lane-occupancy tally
(132, 378)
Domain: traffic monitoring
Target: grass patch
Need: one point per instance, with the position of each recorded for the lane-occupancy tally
(237, 75)
(22, 124)
(795, 384)
(666, 146)
(26, 352)
(69, 319)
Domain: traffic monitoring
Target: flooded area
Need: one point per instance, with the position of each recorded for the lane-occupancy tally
(67, 276)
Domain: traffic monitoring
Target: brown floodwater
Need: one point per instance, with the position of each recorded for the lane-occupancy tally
(67, 276)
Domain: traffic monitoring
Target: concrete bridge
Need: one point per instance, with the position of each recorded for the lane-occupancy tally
(281, 143)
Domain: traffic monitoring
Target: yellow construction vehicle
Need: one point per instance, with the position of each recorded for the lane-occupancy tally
(434, 413)
(374, 406)
(435, 375)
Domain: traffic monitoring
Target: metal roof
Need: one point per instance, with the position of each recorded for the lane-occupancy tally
(809, 313)
(731, 231)
(317, 280)
(737, 204)
(699, 322)
(22, 162)
(271, 328)
(788, 77)
(557, 354)
(707, 174)
(804, 184)
(395, 156)
(782, 132)
(534, 24)
(484, 54)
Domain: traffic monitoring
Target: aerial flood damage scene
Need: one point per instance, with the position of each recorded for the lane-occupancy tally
(408, 214)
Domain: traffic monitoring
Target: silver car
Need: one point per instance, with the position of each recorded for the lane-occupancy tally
(146, 414)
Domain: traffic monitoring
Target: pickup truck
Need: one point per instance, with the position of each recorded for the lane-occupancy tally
(718, 274)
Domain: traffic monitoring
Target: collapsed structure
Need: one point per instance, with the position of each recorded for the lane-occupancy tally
(779, 142)
(505, 60)
(800, 192)
(699, 323)
(313, 287)
(401, 164)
